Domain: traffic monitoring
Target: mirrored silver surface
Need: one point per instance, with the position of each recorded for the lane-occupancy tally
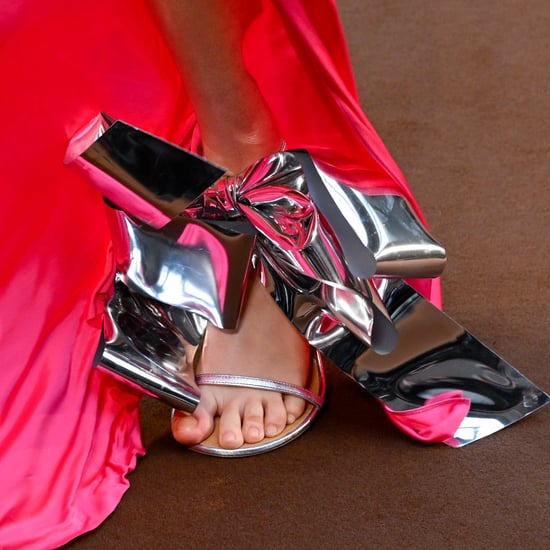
(389, 228)
(323, 226)
(434, 354)
(148, 177)
(285, 197)
(152, 345)
(187, 264)
(319, 243)
(312, 226)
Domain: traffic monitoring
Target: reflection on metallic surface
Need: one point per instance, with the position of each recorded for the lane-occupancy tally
(434, 354)
(187, 264)
(331, 256)
(152, 179)
(325, 229)
(363, 313)
(312, 226)
(385, 225)
(171, 258)
(148, 345)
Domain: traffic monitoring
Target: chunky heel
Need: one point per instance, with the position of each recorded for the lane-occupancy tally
(150, 345)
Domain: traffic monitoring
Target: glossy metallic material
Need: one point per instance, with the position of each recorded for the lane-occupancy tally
(187, 264)
(434, 355)
(170, 258)
(153, 180)
(151, 345)
(385, 225)
(332, 257)
(388, 227)
(313, 396)
(327, 238)
(324, 229)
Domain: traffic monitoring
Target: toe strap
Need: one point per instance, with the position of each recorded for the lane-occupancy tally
(260, 384)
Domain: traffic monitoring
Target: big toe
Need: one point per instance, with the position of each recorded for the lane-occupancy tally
(190, 429)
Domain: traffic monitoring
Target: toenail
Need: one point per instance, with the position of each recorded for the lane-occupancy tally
(253, 432)
(291, 419)
(271, 430)
(229, 437)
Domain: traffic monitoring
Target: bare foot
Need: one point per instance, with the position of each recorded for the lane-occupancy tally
(237, 131)
(265, 345)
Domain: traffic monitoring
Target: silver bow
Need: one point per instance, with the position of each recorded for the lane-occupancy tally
(326, 240)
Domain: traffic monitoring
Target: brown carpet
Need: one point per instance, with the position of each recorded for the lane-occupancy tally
(459, 91)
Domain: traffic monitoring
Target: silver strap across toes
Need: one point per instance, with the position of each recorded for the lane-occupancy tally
(259, 384)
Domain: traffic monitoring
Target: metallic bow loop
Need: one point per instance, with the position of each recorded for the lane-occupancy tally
(149, 178)
(179, 261)
(299, 214)
(327, 230)
(273, 195)
(299, 206)
(305, 220)
(285, 198)
(187, 264)
(316, 306)
(277, 196)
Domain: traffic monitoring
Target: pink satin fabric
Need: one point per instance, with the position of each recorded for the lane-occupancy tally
(69, 433)
(436, 421)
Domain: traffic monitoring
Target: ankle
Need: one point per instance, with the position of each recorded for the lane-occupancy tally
(242, 151)
(242, 133)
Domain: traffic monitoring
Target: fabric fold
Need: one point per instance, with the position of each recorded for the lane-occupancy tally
(434, 422)
(69, 433)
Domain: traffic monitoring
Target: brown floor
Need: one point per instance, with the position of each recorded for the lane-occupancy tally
(459, 90)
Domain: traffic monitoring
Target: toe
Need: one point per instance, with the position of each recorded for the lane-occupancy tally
(230, 427)
(190, 429)
(253, 422)
(294, 407)
(275, 415)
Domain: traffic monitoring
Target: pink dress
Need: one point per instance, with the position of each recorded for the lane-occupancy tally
(69, 434)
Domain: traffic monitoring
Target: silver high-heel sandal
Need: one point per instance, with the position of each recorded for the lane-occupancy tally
(154, 347)
(333, 258)
(174, 275)
(395, 343)
(327, 238)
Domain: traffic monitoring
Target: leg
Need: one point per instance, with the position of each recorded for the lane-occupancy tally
(237, 129)
(205, 38)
